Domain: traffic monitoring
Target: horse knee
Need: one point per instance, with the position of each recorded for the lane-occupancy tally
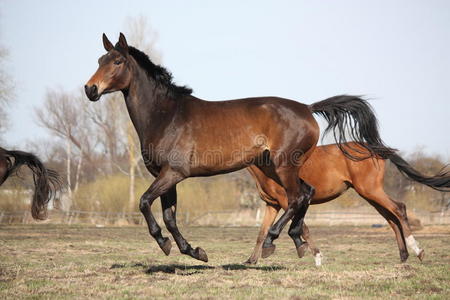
(143, 205)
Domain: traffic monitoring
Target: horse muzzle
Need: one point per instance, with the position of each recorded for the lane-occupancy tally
(92, 92)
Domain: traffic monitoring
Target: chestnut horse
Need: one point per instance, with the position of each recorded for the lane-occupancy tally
(339, 173)
(183, 136)
(46, 182)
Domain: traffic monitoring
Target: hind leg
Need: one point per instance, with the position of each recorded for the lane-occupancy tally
(396, 227)
(312, 246)
(395, 214)
(298, 202)
(269, 217)
(410, 240)
(296, 228)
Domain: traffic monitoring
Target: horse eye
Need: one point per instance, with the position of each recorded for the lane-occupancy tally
(117, 62)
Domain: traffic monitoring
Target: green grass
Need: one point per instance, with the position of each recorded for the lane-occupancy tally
(57, 261)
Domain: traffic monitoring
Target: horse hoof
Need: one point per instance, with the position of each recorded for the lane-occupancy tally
(403, 256)
(266, 252)
(250, 261)
(421, 255)
(302, 249)
(166, 246)
(200, 254)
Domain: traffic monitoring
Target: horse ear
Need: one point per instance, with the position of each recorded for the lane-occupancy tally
(106, 43)
(122, 43)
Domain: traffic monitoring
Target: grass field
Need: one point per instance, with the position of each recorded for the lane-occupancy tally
(57, 261)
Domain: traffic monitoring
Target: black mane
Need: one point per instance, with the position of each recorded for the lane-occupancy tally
(161, 75)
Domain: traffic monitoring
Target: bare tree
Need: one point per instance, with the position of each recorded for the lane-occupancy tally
(6, 91)
(109, 119)
(64, 115)
(140, 35)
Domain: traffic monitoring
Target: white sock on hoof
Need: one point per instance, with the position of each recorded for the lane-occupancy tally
(318, 259)
(411, 242)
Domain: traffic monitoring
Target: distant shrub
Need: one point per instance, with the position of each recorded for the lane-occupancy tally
(107, 194)
(195, 195)
(200, 195)
(15, 195)
(14, 200)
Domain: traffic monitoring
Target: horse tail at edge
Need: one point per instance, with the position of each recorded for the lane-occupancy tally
(46, 182)
(440, 181)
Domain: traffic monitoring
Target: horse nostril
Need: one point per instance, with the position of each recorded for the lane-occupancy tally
(90, 90)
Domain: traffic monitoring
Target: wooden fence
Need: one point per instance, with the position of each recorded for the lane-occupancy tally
(243, 217)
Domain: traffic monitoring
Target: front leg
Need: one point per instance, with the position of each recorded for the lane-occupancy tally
(312, 245)
(166, 179)
(269, 217)
(169, 207)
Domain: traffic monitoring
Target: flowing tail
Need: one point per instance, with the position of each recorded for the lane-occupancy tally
(440, 182)
(352, 116)
(46, 181)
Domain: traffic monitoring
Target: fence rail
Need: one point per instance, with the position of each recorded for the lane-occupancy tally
(214, 218)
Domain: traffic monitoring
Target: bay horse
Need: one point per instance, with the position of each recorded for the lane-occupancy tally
(338, 174)
(46, 181)
(183, 136)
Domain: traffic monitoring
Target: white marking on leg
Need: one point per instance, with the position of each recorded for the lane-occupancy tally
(411, 242)
(318, 259)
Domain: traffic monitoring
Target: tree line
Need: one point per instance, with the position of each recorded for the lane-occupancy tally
(96, 150)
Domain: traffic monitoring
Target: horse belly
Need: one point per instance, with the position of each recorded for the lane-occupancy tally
(326, 180)
(214, 162)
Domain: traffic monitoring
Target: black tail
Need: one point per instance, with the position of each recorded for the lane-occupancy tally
(440, 182)
(354, 115)
(46, 182)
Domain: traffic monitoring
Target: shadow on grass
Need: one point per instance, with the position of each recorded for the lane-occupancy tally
(238, 267)
(177, 269)
(194, 269)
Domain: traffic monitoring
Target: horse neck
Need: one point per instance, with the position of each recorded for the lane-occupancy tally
(149, 107)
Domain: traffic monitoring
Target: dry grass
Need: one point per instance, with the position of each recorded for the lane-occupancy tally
(197, 195)
(55, 261)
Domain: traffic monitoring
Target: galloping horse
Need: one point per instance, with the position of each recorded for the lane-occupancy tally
(338, 174)
(183, 136)
(46, 182)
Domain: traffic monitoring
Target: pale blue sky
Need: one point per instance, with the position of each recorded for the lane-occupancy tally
(396, 52)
